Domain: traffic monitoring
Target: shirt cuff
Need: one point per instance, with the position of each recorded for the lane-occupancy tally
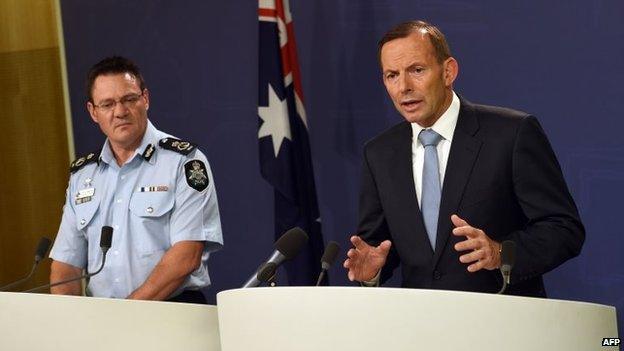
(373, 282)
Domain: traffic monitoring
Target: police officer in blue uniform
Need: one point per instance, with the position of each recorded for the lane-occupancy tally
(156, 191)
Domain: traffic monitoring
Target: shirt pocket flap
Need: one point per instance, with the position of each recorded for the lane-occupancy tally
(151, 204)
(85, 213)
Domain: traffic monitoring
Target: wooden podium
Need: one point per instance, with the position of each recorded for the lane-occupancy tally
(362, 319)
(37, 322)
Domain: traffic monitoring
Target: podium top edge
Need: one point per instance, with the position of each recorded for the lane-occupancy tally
(400, 291)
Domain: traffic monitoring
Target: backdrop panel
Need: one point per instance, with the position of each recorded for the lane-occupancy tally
(200, 60)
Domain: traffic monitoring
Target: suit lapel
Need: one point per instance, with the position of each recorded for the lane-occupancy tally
(464, 151)
(402, 173)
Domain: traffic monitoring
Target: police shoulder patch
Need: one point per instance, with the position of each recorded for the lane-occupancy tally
(83, 161)
(196, 175)
(179, 146)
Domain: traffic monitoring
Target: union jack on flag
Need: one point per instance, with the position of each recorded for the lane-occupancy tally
(285, 159)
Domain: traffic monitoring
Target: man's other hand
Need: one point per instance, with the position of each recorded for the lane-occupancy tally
(484, 252)
(364, 261)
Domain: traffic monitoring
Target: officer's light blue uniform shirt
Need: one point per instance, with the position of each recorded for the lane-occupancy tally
(150, 203)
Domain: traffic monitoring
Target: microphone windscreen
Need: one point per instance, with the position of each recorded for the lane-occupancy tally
(508, 253)
(106, 238)
(266, 271)
(291, 242)
(42, 248)
(330, 254)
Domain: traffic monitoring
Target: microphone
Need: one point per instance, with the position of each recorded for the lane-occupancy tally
(286, 248)
(508, 258)
(106, 238)
(329, 257)
(42, 250)
(266, 272)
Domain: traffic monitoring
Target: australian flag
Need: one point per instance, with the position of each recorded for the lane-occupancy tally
(285, 160)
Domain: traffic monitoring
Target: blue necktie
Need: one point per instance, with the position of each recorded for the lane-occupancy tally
(430, 197)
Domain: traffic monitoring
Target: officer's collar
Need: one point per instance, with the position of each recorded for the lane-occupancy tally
(145, 150)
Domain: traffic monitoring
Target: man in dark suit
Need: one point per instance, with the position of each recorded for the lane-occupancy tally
(442, 190)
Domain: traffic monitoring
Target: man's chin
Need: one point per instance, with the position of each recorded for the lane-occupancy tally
(418, 118)
(122, 128)
(123, 137)
(413, 118)
(122, 133)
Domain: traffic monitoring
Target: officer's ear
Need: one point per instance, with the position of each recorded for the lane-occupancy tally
(91, 110)
(146, 97)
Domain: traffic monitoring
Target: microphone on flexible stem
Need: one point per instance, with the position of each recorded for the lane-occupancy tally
(42, 250)
(508, 258)
(286, 248)
(329, 257)
(106, 239)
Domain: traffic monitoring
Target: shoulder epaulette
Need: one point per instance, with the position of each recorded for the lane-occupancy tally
(179, 146)
(83, 161)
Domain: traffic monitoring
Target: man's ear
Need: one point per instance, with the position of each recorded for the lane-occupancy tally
(91, 109)
(451, 70)
(146, 96)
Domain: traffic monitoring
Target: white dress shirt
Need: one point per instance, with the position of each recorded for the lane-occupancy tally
(445, 126)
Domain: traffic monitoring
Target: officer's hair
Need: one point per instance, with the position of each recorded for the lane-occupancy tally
(112, 65)
(405, 29)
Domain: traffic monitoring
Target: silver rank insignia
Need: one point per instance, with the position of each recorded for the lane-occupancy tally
(149, 151)
(82, 161)
(179, 146)
(196, 175)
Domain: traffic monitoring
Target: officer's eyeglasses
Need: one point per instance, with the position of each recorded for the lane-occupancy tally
(127, 101)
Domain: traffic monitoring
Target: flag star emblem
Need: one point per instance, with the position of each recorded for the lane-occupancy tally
(275, 121)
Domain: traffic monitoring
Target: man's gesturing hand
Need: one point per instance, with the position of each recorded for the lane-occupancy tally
(364, 261)
(484, 252)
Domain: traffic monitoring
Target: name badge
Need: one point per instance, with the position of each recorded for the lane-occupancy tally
(85, 195)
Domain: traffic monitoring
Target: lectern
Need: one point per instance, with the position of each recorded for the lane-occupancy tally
(37, 322)
(384, 319)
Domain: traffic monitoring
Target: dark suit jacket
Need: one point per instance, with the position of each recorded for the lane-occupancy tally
(502, 176)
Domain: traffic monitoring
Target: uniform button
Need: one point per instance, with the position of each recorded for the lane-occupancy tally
(119, 201)
(123, 177)
(116, 226)
(116, 280)
(116, 252)
(149, 209)
(82, 221)
(437, 275)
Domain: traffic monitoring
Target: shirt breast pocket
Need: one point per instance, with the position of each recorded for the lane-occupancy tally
(150, 221)
(151, 205)
(85, 212)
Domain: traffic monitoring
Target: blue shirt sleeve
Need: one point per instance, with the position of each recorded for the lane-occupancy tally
(70, 245)
(196, 213)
